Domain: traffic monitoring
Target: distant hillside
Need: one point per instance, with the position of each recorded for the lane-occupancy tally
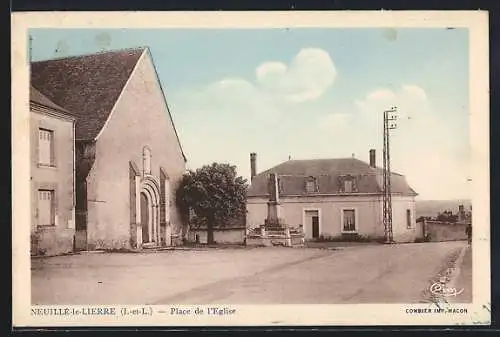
(433, 207)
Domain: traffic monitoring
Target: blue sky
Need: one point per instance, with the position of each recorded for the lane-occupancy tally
(307, 93)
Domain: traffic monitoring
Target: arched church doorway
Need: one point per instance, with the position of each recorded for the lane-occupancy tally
(145, 217)
(150, 211)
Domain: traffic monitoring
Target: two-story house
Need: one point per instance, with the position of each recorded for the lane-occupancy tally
(334, 198)
(52, 176)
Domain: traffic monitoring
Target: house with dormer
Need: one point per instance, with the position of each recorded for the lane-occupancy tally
(334, 198)
(128, 157)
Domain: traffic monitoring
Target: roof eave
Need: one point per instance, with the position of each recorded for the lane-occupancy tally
(53, 111)
(358, 194)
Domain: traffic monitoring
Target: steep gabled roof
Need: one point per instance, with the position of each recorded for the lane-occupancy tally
(293, 175)
(38, 98)
(87, 85)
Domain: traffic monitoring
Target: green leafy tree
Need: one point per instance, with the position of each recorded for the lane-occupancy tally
(215, 194)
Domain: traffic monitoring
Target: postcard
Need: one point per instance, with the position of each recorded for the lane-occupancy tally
(250, 168)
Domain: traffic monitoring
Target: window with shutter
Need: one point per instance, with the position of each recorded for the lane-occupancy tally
(45, 147)
(348, 186)
(311, 185)
(349, 224)
(46, 216)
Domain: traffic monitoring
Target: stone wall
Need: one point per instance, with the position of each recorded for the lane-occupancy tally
(444, 231)
(50, 241)
(222, 236)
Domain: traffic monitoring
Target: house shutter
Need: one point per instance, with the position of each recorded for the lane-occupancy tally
(349, 220)
(348, 186)
(45, 146)
(45, 208)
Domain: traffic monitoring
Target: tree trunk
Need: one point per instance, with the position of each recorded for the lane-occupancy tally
(210, 233)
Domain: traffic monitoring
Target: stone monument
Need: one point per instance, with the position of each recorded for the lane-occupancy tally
(274, 231)
(274, 209)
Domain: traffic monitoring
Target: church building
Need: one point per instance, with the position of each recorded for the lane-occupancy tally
(128, 157)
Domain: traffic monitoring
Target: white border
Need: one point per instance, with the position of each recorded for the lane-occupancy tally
(475, 21)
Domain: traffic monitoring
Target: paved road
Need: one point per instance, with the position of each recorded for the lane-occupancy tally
(358, 274)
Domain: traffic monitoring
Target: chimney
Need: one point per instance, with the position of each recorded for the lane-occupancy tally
(253, 165)
(373, 159)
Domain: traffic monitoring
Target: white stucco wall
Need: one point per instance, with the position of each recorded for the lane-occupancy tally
(368, 213)
(140, 118)
(401, 232)
(368, 210)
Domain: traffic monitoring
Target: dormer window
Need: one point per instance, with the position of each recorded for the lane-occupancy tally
(280, 186)
(311, 185)
(348, 186)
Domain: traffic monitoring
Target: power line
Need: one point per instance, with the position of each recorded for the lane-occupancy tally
(389, 124)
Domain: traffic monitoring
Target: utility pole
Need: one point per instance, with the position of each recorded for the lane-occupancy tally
(389, 124)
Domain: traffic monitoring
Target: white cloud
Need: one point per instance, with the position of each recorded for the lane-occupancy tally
(234, 116)
(409, 99)
(227, 104)
(336, 122)
(436, 174)
(415, 90)
(309, 75)
(271, 73)
(422, 147)
(381, 95)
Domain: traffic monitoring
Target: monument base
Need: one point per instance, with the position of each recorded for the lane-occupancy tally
(275, 223)
(275, 232)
